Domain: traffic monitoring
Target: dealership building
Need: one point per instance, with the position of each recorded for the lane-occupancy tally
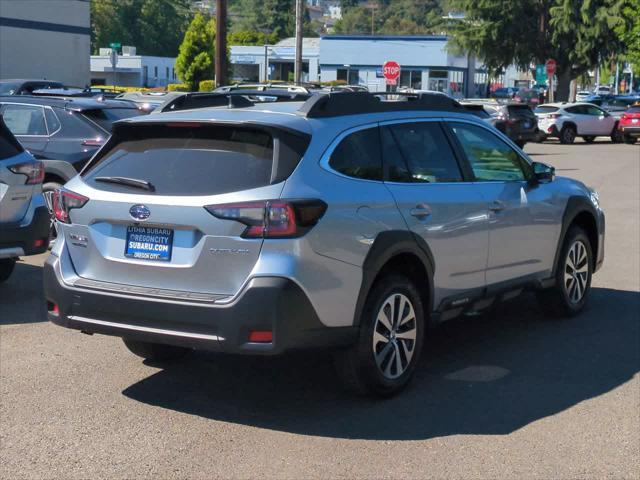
(131, 69)
(426, 63)
(45, 39)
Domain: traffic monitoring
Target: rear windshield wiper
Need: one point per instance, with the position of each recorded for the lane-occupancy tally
(129, 182)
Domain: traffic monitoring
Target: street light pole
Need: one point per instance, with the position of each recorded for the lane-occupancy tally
(266, 63)
(221, 43)
(297, 68)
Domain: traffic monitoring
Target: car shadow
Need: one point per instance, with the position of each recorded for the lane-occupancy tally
(489, 374)
(21, 296)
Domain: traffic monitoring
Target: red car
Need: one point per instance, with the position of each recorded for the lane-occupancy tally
(629, 124)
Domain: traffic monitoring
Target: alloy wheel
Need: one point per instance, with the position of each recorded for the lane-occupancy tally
(576, 272)
(394, 335)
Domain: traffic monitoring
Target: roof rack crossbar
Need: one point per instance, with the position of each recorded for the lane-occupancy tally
(232, 99)
(334, 104)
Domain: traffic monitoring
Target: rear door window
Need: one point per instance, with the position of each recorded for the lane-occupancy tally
(188, 160)
(418, 152)
(358, 155)
(24, 119)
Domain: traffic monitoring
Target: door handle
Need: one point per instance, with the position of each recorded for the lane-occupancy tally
(496, 206)
(420, 211)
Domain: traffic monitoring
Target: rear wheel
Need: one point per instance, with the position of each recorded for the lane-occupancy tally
(573, 277)
(520, 143)
(6, 268)
(384, 357)
(589, 138)
(155, 351)
(47, 192)
(567, 134)
(629, 139)
(616, 135)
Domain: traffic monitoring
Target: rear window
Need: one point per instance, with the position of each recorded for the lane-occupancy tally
(9, 146)
(544, 109)
(106, 116)
(634, 109)
(519, 110)
(196, 160)
(477, 110)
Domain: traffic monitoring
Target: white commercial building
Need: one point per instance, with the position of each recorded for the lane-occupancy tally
(45, 39)
(248, 62)
(132, 70)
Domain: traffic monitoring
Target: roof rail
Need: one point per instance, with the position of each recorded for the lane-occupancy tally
(335, 104)
(232, 99)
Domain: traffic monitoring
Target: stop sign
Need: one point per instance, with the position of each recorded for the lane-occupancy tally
(391, 70)
(550, 66)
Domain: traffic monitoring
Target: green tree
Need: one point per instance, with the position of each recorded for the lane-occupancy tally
(522, 32)
(249, 37)
(273, 17)
(195, 61)
(629, 33)
(154, 27)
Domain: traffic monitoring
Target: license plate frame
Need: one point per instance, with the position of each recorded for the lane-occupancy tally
(150, 243)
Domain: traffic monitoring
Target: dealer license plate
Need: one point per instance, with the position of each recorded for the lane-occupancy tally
(149, 243)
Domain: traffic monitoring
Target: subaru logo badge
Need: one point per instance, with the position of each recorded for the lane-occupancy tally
(139, 212)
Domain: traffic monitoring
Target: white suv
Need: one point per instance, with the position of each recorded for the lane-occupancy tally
(567, 121)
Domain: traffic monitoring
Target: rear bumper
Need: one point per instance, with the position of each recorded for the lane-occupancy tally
(18, 239)
(519, 134)
(266, 304)
(631, 131)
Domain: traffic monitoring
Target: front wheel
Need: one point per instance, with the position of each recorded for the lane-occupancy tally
(155, 351)
(573, 277)
(6, 268)
(384, 357)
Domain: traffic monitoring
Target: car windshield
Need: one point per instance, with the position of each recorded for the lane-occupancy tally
(8, 88)
(546, 109)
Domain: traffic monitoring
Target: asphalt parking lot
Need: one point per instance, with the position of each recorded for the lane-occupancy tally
(509, 394)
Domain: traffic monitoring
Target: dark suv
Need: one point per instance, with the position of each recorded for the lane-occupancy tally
(517, 121)
(62, 132)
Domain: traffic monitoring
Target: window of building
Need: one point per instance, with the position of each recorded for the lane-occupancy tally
(411, 79)
(349, 75)
(456, 84)
(145, 75)
(166, 76)
(358, 155)
(155, 72)
(418, 153)
(438, 80)
(490, 158)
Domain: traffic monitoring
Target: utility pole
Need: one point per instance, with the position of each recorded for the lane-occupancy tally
(297, 69)
(221, 43)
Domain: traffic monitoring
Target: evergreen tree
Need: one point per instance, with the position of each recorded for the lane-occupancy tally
(195, 61)
(522, 32)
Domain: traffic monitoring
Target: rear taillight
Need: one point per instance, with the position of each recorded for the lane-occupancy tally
(65, 200)
(33, 170)
(272, 218)
(93, 142)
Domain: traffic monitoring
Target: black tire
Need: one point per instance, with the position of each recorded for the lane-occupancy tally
(47, 189)
(630, 140)
(567, 135)
(589, 138)
(616, 135)
(6, 268)
(357, 365)
(557, 300)
(520, 143)
(155, 351)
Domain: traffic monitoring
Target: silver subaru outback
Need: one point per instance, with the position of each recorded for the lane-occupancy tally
(351, 220)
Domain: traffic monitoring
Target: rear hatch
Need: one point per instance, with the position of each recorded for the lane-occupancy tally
(152, 229)
(522, 117)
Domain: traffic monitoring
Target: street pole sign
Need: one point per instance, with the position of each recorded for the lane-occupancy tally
(550, 67)
(541, 75)
(115, 45)
(113, 57)
(391, 71)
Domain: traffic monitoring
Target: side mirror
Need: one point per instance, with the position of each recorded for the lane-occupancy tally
(543, 172)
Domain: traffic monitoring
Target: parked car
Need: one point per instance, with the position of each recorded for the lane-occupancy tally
(583, 96)
(515, 120)
(24, 217)
(148, 101)
(629, 124)
(566, 121)
(343, 222)
(528, 96)
(26, 87)
(62, 132)
(505, 92)
(602, 90)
